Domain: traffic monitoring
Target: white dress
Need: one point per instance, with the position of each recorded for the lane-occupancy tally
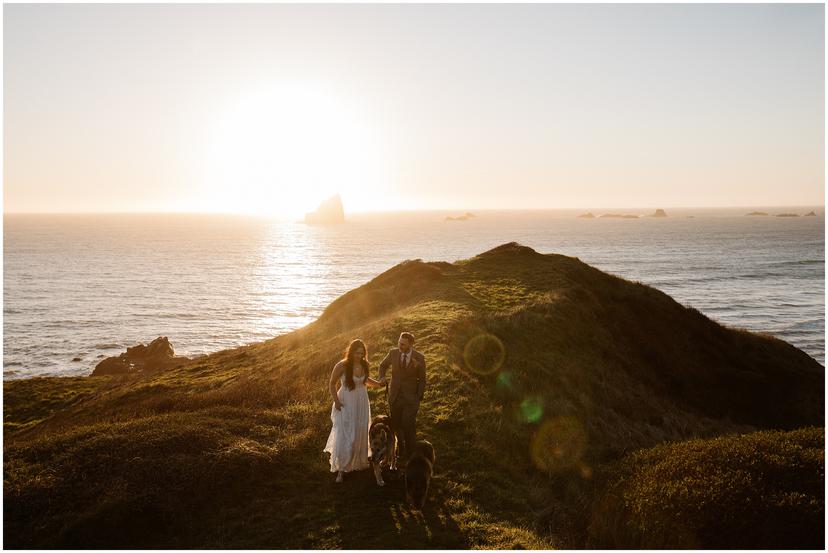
(348, 440)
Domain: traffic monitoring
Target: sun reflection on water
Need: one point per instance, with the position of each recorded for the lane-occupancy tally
(291, 276)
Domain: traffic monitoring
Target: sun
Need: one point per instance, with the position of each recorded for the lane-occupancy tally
(282, 149)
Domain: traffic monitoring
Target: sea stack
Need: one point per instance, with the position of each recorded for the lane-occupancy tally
(659, 213)
(329, 212)
(810, 214)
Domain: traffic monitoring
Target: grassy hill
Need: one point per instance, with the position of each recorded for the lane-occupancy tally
(548, 383)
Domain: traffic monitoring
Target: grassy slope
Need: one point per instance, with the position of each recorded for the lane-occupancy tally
(764, 490)
(226, 451)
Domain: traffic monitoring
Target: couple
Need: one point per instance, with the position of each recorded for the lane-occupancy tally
(348, 442)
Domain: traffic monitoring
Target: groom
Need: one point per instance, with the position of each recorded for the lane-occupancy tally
(407, 389)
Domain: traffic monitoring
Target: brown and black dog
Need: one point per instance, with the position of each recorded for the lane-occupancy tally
(383, 446)
(418, 473)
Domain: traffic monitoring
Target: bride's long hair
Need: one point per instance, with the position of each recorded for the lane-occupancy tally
(349, 363)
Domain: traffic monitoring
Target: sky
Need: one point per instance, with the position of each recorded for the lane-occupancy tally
(272, 108)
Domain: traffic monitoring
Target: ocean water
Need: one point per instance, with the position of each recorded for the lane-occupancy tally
(78, 288)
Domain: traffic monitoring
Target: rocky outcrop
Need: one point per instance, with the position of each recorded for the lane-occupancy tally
(787, 215)
(810, 214)
(757, 214)
(659, 213)
(156, 356)
(329, 212)
(586, 216)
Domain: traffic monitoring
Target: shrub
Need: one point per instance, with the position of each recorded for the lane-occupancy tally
(759, 490)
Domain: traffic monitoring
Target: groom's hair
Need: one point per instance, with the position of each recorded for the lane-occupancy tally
(408, 336)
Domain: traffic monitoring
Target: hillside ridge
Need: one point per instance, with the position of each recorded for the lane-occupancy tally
(543, 372)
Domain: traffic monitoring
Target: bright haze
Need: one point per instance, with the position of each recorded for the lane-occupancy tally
(272, 108)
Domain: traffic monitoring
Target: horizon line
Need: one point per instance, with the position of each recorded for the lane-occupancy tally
(416, 210)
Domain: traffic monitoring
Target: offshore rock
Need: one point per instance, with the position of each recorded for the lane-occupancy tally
(157, 355)
(329, 212)
(465, 217)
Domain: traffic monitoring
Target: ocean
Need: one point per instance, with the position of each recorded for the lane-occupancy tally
(78, 288)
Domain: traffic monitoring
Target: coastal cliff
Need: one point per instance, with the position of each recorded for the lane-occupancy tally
(553, 391)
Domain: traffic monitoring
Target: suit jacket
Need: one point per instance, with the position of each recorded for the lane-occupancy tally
(398, 375)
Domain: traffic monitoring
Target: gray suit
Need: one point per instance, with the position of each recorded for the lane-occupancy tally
(405, 393)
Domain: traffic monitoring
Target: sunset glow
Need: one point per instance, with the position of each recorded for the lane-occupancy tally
(271, 108)
(282, 148)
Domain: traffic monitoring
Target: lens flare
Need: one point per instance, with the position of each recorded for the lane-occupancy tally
(505, 380)
(531, 409)
(484, 354)
(558, 444)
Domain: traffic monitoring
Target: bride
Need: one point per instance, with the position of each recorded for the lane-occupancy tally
(351, 411)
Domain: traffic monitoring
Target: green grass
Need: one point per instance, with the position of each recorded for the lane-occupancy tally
(759, 490)
(542, 372)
